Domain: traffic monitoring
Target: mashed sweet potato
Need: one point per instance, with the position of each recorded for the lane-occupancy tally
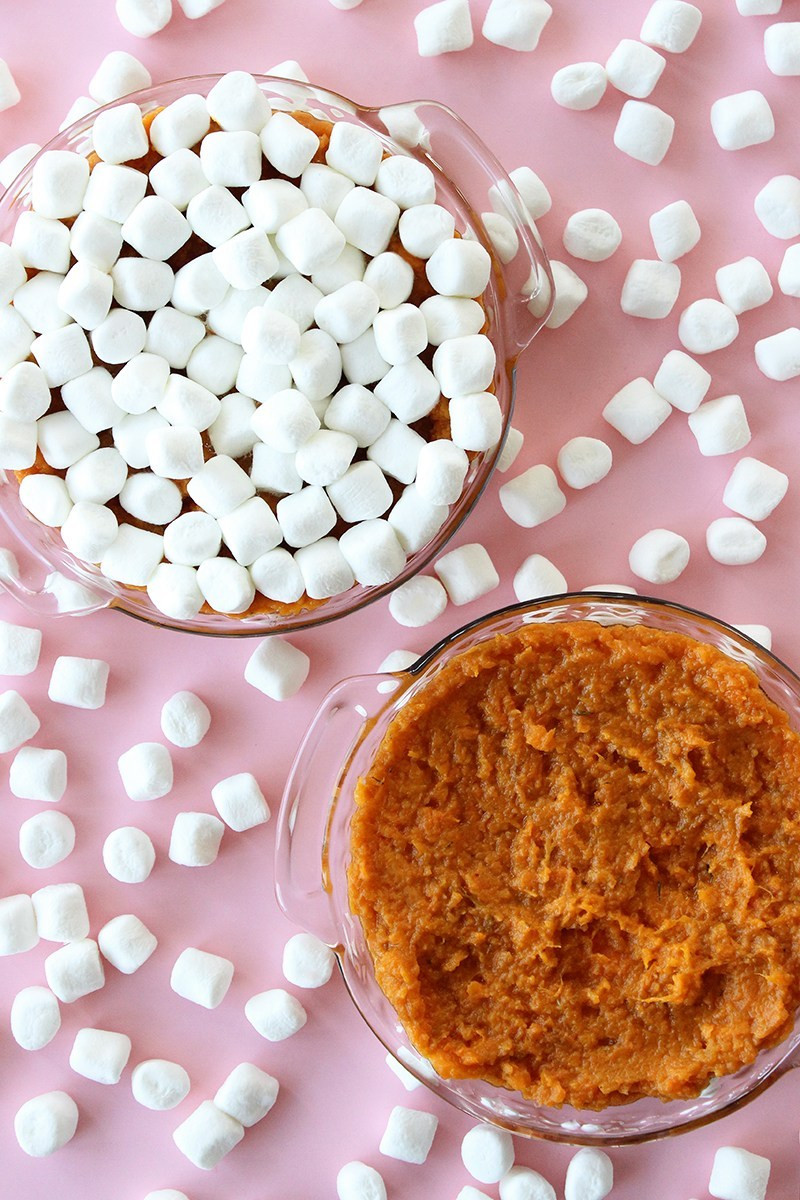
(575, 860)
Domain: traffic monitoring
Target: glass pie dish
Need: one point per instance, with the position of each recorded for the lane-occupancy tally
(469, 180)
(314, 851)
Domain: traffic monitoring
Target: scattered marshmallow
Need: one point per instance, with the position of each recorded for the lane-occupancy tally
(418, 602)
(9, 92)
(754, 489)
(46, 1123)
(744, 285)
(118, 74)
(516, 24)
(143, 18)
(409, 1081)
(35, 1017)
(591, 234)
(74, 970)
(734, 541)
(675, 230)
(521, 1183)
(778, 356)
(569, 293)
(146, 771)
(16, 161)
(201, 977)
(467, 573)
(18, 721)
(487, 1153)
(236, 102)
(651, 288)
(61, 914)
(307, 962)
(659, 556)
(511, 448)
(758, 8)
(128, 854)
(579, 86)
(634, 68)
(644, 132)
(20, 646)
(590, 1172)
(18, 931)
(247, 1094)
(100, 1055)
(443, 28)
(744, 119)
(277, 668)
(782, 47)
(682, 381)
(537, 577)
(789, 271)
(583, 461)
(195, 839)
(409, 1135)
(672, 25)
(532, 497)
(240, 802)
(46, 839)
(759, 633)
(185, 719)
(777, 206)
(357, 1181)
(207, 1135)
(159, 1084)
(707, 325)
(720, 426)
(738, 1174)
(275, 1014)
(637, 411)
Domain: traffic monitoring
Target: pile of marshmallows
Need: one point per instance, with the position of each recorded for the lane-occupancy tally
(315, 379)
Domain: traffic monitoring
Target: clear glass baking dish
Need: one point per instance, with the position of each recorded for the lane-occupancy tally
(517, 301)
(313, 851)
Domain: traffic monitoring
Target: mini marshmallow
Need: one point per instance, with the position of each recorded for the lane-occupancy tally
(118, 75)
(400, 333)
(19, 649)
(41, 242)
(357, 1181)
(782, 47)
(9, 92)
(637, 411)
(16, 340)
(569, 294)
(225, 585)
(355, 152)
(113, 193)
(274, 472)
(324, 188)
(305, 516)
(18, 931)
(476, 421)
(185, 719)
(634, 68)
(207, 1135)
(275, 1014)
(236, 102)
(734, 541)
(317, 367)
(246, 259)
(180, 125)
(367, 220)
(74, 970)
(672, 25)
(95, 239)
(516, 24)
(532, 497)
(644, 132)
(459, 267)
(744, 119)
(356, 411)
(778, 356)
(579, 86)
(216, 215)
(118, 338)
(24, 393)
(79, 109)
(288, 145)
(521, 1183)
(247, 1094)
(759, 633)
(707, 325)
(188, 404)
(277, 576)
(37, 774)
(128, 854)
(502, 234)
(35, 1017)
(720, 426)
(46, 497)
(307, 962)
(173, 335)
(373, 552)
(13, 163)
(323, 458)
(150, 499)
(738, 1174)
(361, 493)
(269, 203)
(511, 448)
(174, 590)
(220, 486)
(46, 839)
(133, 556)
(195, 839)
(682, 381)
(231, 158)
(139, 284)
(146, 771)
(441, 470)
(487, 1153)
(536, 577)
(788, 280)
(361, 362)
(591, 234)
(58, 183)
(590, 1172)
(173, 453)
(277, 668)
(159, 1084)
(231, 433)
(409, 1081)
(61, 914)
(192, 538)
(674, 230)
(119, 135)
(240, 802)
(443, 28)
(143, 18)
(201, 977)
(424, 228)
(37, 302)
(63, 354)
(270, 336)
(260, 380)
(396, 660)
(98, 477)
(464, 365)
(405, 181)
(90, 400)
(467, 573)
(450, 317)
(46, 1123)
(178, 178)
(18, 723)
(583, 461)
(650, 289)
(347, 312)
(753, 490)
(409, 1135)
(744, 285)
(100, 1055)
(286, 422)
(659, 556)
(777, 206)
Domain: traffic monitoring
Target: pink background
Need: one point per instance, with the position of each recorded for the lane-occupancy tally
(336, 1091)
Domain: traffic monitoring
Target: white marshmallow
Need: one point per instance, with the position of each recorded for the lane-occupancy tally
(192, 538)
(356, 411)
(188, 404)
(409, 1081)
(269, 203)
(140, 284)
(305, 516)
(143, 18)
(464, 365)
(355, 152)
(361, 362)
(195, 839)
(516, 24)
(150, 498)
(24, 393)
(260, 380)
(46, 1123)
(207, 1135)
(37, 302)
(759, 633)
(270, 336)
(237, 102)
(246, 259)
(487, 1153)
(41, 242)
(18, 931)
(459, 267)
(173, 335)
(707, 325)
(591, 234)
(90, 400)
(659, 556)
(133, 556)
(95, 239)
(467, 573)
(240, 802)
(511, 448)
(734, 541)
(185, 719)
(179, 177)
(347, 312)
(9, 92)
(418, 602)
(400, 333)
(405, 180)
(113, 193)
(58, 183)
(502, 234)
(476, 421)
(16, 339)
(788, 279)
(634, 68)
(79, 682)
(16, 161)
(277, 576)
(274, 472)
(277, 668)
(287, 421)
(758, 8)
(744, 285)
(675, 230)
(100, 1055)
(220, 486)
(38, 774)
(583, 461)
(61, 914)
(536, 577)
(63, 354)
(317, 367)
(231, 158)
(146, 771)
(74, 970)
(159, 1084)
(361, 494)
(307, 962)
(782, 47)
(275, 1014)
(231, 433)
(396, 661)
(754, 489)
(367, 220)
(98, 477)
(777, 356)
(357, 1181)
(118, 134)
(651, 288)
(532, 497)
(579, 86)
(46, 839)
(35, 1017)
(637, 411)
(322, 459)
(590, 1172)
(720, 426)
(46, 497)
(128, 854)
(79, 109)
(173, 453)
(777, 206)
(225, 585)
(118, 75)
(644, 131)
(373, 552)
(672, 25)
(174, 590)
(324, 188)
(738, 1174)
(569, 294)
(180, 125)
(424, 228)
(441, 470)
(744, 119)
(247, 1094)
(408, 1135)
(119, 337)
(19, 649)
(288, 145)
(450, 317)
(443, 28)
(215, 215)
(201, 977)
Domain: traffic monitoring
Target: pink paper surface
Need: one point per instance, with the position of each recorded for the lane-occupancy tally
(336, 1092)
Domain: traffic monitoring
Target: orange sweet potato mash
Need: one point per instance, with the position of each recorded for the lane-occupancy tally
(575, 861)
